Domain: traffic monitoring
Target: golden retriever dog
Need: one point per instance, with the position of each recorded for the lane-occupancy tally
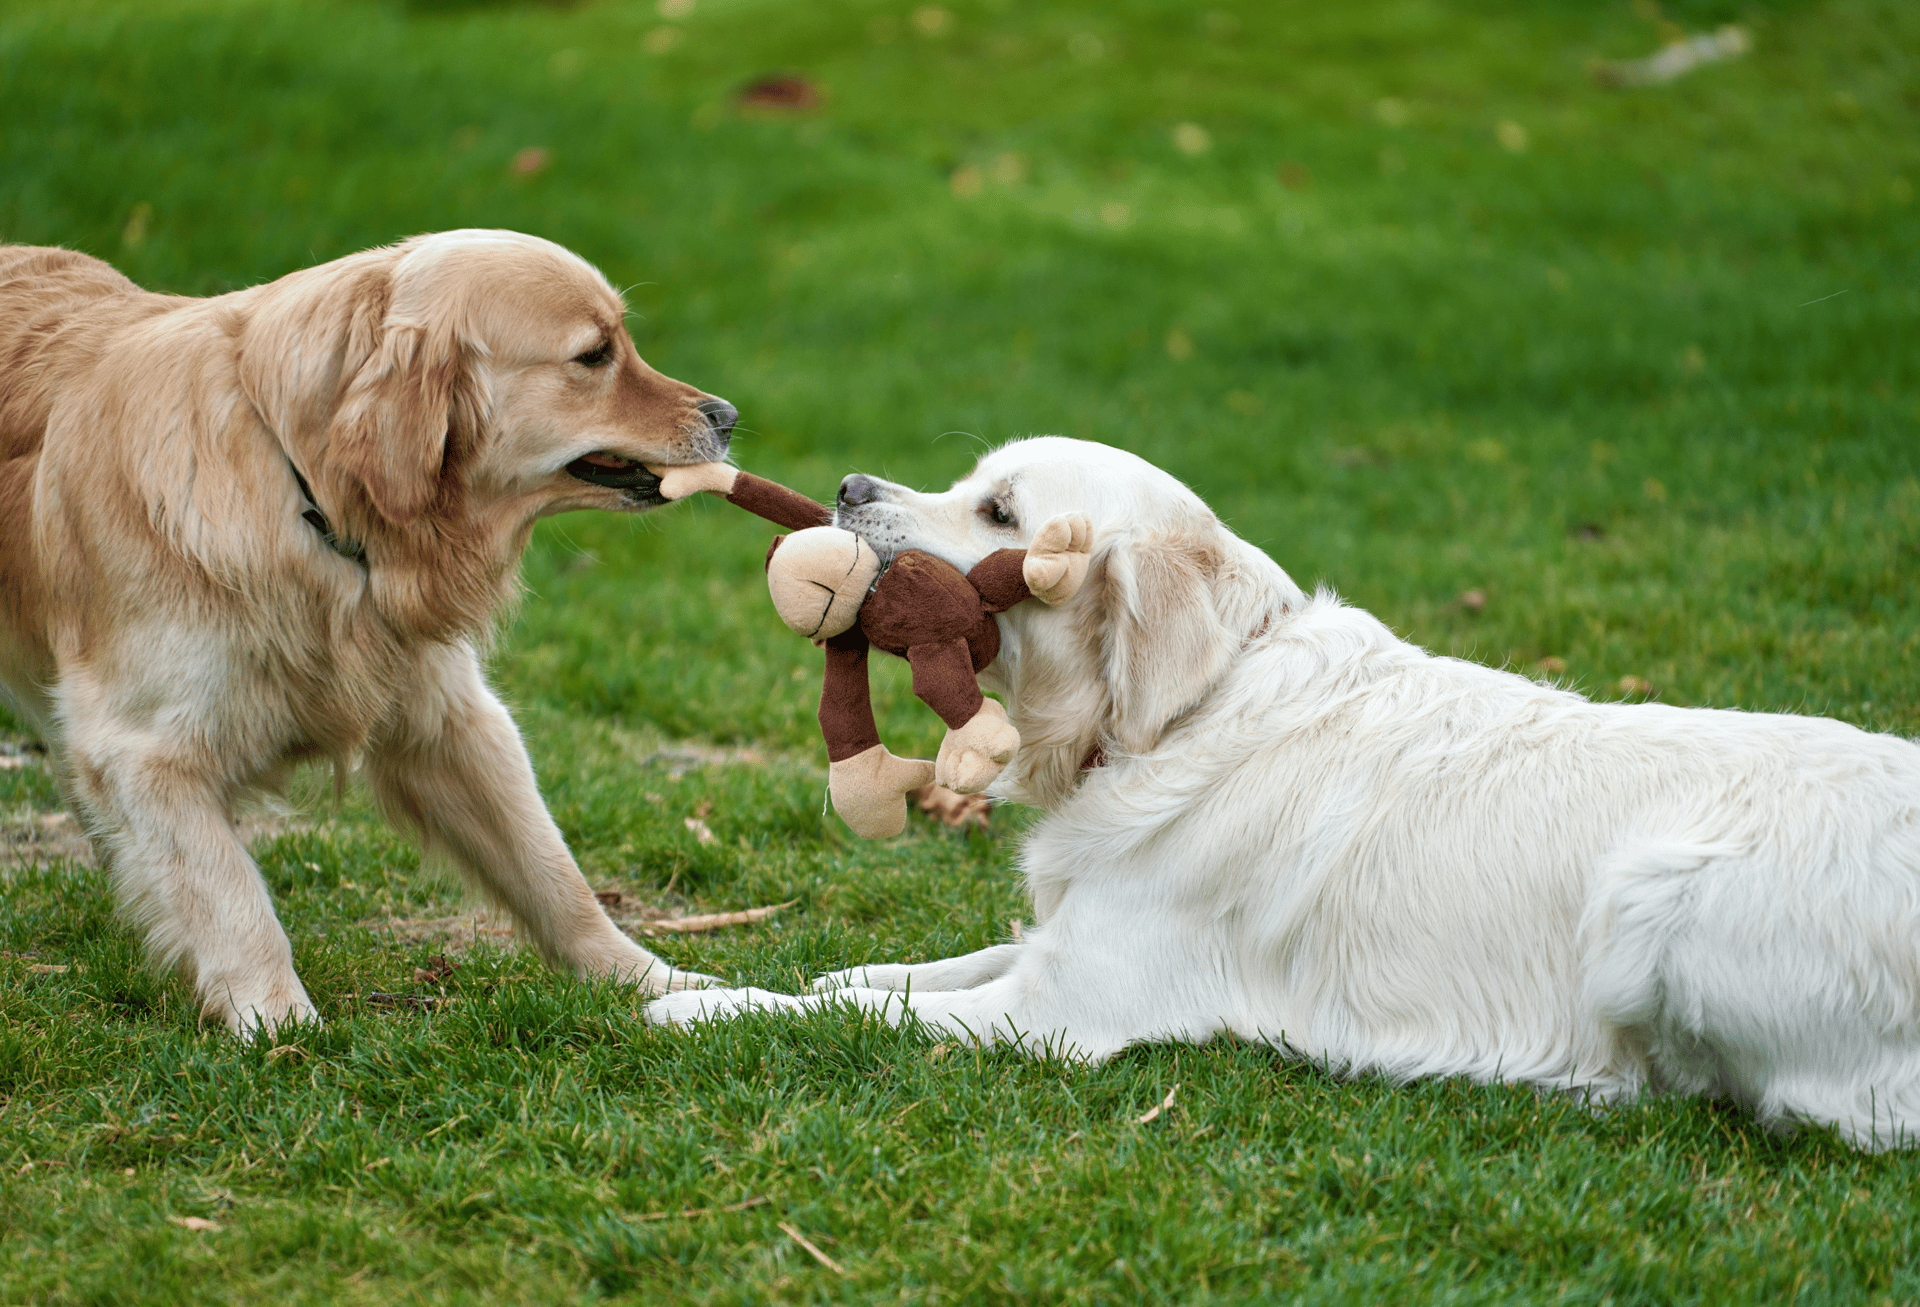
(276, 525)
(1268, 815)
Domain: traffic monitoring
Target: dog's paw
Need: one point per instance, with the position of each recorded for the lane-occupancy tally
(263, 1010)
(680, 978)
(690, 1007)
(972, 756)
(891, 975)
(1056, 564)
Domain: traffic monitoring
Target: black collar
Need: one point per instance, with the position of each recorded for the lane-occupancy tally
(313, 517)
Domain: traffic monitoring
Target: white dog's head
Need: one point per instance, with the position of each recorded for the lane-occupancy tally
(1171, 596)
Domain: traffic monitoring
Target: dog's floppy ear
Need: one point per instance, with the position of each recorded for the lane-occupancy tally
(390, 429)
(1163, 643)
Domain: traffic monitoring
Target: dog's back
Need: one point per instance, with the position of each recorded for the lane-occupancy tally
(57, 310)
(50, 327)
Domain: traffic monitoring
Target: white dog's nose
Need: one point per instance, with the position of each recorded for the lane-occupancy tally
(858, 489)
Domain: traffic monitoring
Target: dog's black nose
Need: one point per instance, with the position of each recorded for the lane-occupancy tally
(858, 489)
(720, 415)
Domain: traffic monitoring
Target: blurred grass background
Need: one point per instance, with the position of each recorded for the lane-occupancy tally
(1612, 384)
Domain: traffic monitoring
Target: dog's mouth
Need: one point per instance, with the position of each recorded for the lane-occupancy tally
(616, 473)
(884, 537)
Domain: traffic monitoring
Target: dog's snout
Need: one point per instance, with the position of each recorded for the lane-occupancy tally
(858, 489)
(720, 416)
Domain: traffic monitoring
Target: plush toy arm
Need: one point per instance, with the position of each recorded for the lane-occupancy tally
(1057, 559)
(678, 482)
(869, 786)
(759, 496)
(980, 740)
(776, 503)
(846, 706)
(973, 755)
(870, 790)
(944, 680)
(1000, 579)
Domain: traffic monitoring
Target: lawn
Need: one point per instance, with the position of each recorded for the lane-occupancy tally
(1619, 385)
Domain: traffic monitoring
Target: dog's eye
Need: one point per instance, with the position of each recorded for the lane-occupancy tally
(597, 357)
(995, 511)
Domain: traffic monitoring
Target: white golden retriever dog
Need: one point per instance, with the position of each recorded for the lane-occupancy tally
(276, 524)
(1266, 814)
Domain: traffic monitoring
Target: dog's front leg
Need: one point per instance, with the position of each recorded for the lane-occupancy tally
(963, 972)
(1046, 1000)
(1000, 1011)
(456, 772)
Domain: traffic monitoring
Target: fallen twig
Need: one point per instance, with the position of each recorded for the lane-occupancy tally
(1153, 1113)
(418, 1002)
(687, 1213)
(714, 920)
(808, 1244)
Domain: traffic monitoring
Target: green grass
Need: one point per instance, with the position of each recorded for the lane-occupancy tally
(1651, 385)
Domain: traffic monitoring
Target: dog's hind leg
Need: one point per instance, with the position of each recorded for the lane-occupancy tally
(160, 821)
(457, 773)
(1054, 999)
(1794, 994)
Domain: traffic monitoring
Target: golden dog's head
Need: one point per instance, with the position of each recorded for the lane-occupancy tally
(442, 394)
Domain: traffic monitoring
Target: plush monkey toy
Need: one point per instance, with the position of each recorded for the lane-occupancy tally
(827, 584)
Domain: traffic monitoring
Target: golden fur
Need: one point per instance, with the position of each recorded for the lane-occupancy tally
(180, 635)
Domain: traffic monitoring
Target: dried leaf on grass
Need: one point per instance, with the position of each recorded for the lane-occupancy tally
(1678, 58)
(699, 829)
(714, 920)
(1153, 1113)
(952, 808)
(195, 1223)
(778, 93)
(438, 968)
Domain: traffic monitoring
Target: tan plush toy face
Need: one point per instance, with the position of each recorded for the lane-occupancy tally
(819, 577)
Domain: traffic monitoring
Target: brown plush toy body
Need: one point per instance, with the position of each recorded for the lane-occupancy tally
(828, 584)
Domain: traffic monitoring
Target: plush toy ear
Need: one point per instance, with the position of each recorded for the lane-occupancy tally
(390, 430)
(1163, 642)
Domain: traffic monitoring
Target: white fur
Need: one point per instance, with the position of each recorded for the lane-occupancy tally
(1310, 832)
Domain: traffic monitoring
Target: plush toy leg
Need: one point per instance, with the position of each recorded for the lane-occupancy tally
(870, 790)
(1056, 562)
(971, 756)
